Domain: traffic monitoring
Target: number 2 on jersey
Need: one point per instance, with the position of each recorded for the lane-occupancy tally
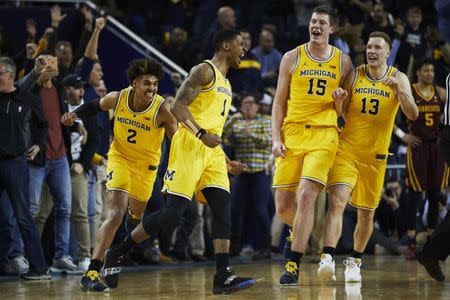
(131, 136)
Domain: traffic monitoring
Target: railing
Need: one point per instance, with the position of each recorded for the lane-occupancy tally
(121, 31)
(396, 170)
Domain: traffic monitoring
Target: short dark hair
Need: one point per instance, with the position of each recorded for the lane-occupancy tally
(144, 66)
(422, 62)
(224, 36)
(325, 9)
(382, 35)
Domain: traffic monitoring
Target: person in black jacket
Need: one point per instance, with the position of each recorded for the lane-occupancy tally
(82, 150)
(19, 113)
(52, 164)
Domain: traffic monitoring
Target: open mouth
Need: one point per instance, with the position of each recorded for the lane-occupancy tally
(315, 33)
(372, 58)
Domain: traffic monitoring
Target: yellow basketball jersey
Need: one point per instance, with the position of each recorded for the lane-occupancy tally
(312, 83)
(210, 108)
(136, 134)
(371, 114)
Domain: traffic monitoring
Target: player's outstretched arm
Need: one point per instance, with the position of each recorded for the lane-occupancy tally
(402, 89)
(91, 108)
(199, 76)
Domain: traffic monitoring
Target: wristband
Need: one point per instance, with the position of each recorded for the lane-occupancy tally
(399, 133)
(200, 133)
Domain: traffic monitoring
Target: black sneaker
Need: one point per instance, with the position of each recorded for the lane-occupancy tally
(34, 275)
(431, 265)
(112, 267)
(93, 281)
(290, 274)
(229, 282)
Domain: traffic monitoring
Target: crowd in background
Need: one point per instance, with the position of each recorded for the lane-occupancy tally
(66, 195)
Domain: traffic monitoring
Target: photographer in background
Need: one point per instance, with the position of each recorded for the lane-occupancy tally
(389, 214)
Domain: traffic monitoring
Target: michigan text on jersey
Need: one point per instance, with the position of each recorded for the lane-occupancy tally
(133, 123)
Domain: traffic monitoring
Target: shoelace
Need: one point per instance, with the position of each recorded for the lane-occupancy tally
(291, 267)
(94, 275)
(289, 238)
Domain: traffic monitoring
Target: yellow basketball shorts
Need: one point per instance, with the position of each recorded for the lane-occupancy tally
(193, 167)
(364, 176)
(134, 177)
(309, 155)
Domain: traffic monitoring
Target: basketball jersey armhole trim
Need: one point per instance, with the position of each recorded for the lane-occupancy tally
(213, 84)
(341, 62)
(156, 113)
(355, 77)
(291, 72)
(333, 51)
(118, 101)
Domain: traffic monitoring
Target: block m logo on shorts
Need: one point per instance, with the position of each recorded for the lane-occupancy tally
(169, 175)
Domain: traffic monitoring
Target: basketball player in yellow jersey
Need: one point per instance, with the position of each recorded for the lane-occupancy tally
(304, 130)
(196, 161)
(371, 95)
(141, 119)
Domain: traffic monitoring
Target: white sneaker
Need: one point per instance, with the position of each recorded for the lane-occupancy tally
(84, 263)
(65, 265)
(326, 268)
(20, 264)
(352, 269)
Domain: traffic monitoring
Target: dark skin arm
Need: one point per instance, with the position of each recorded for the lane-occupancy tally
(166, 119)
(199, 76)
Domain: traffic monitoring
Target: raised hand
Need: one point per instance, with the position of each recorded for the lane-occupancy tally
(57, 17)
(100, 23)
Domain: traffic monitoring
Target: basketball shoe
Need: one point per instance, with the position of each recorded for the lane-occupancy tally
(352, 269)
(290, 274)
(326, 268)
(228, 282)
(93, 281)
(112, 267)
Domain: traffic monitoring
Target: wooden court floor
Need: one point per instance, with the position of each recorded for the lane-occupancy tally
(384, 277)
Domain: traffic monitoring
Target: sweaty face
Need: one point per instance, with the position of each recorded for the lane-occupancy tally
(146, 86)
(320, 27)
(377, 51)
(426, 74)
(237, 51)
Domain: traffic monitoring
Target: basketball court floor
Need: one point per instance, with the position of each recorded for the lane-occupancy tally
(384, 277)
